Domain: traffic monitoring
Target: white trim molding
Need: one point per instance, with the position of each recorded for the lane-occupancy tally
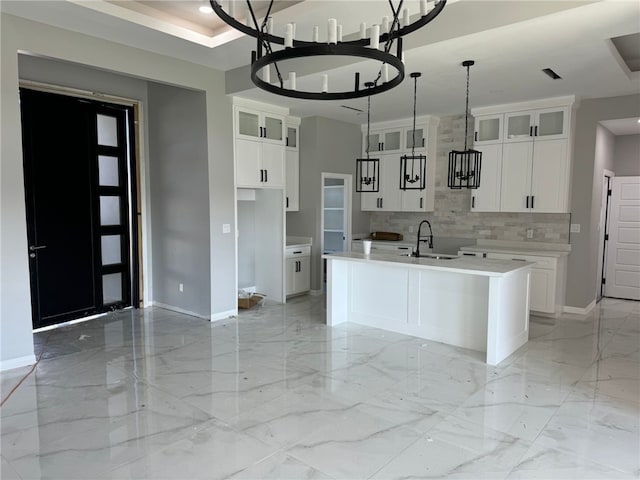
(216, 317)
(17, 362)
(580, 311)
(179, 310)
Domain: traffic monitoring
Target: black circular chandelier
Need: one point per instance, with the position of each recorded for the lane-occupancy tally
(382, 44)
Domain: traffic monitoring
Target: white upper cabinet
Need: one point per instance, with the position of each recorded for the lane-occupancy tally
(541, 124)
(486, 198)
(291, 139)
(292, 164)
(260, 126)
(389, 141)
(488, 129)
(534, 161)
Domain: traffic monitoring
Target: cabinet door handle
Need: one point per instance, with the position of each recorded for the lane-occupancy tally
(381, 200)
(532, 200)
(473, 202)
(287, 141)
(421, 201)
(287, 204)
(423, 142)
(531, 131)
(382, 146)
(527, 201)
(475, 136)
(519, 259)
(297, 252)
(261, 175)
(535, 133)
(266, 175)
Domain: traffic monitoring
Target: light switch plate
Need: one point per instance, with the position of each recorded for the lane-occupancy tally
(226, 228)
(575, 228)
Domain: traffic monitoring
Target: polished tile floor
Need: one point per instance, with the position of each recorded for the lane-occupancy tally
(152, 394)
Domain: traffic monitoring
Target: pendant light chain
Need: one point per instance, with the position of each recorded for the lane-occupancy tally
(466, 112)
(415, 96)
(368, 124)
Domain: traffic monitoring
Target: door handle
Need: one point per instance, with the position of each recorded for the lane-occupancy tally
(33, 248)
(287, 202)
(261, 175)
(531, 131)
(473, 202)
(527, 201)
(266, 175)
(535, 133)
(532, 199)
(421, 201)
(381, 200)
(475, 137)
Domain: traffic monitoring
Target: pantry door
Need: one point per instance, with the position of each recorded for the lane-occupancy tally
(77, 191)
(622, 278)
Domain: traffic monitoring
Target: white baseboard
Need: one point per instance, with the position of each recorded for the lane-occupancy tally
(580, 311)
(17, 362)
(179, 310)
(216, 317)
(316, 293)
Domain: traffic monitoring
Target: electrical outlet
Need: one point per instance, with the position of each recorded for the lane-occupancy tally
(575, 228)
(529, 232)
(181, 287)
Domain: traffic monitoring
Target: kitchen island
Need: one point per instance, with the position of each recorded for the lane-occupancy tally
(472, 303)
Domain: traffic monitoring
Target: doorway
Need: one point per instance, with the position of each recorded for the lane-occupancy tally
(79, 165)
(603, 226)
(336, 214)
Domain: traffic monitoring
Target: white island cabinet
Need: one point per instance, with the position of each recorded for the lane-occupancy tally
(472, 303)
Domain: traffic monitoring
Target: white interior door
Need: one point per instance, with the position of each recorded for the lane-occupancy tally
(623, 251)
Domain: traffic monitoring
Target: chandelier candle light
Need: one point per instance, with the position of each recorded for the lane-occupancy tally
(375, 45)
(464, 167)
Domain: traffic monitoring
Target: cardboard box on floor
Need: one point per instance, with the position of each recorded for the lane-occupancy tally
(249, 302)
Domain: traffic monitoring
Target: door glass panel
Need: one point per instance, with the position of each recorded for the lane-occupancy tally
(292, 137)
(273, 126)
(248, 124)
(107, 131)
(551, 123)
(374, 143)
(419, 136)
(489, 129)
(392, 141)
(518, 126)
(109, 210)
(108, 171)
(111, 251)
(112, 288)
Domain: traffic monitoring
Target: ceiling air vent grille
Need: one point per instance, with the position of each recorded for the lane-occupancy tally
(552, 74)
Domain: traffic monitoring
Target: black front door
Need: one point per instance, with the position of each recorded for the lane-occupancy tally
(76, 155)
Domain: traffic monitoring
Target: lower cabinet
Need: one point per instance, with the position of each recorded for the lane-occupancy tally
(298, 270)
(547, 281)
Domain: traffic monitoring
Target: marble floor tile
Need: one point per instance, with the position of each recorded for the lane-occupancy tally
(603, 429)
(548, 463)
(457, 449)
(275, 393)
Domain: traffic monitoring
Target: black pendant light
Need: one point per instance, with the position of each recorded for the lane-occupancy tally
(368, 169)
(380, 44)
(413, 168)
(464, 167)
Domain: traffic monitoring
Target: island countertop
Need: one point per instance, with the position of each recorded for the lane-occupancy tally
(468, 265)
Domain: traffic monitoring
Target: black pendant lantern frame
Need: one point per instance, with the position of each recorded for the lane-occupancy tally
(368, 169)
(465, 166)
(413, 178)
(264, 56)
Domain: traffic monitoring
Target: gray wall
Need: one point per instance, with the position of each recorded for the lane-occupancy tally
(20, 35)
(246, 243)
(179, 198)
(627, 155)
(326, 146)
(586, 193)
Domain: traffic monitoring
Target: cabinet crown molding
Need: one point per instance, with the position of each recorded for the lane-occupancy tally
(403, 122)
(263, 107)
(566, 101)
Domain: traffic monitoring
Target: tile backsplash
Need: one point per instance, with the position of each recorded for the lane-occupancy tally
(452, 216)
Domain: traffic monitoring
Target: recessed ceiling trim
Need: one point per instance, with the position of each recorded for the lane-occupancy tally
(159, 25)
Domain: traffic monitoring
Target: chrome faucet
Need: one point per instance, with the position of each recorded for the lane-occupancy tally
(428, 239)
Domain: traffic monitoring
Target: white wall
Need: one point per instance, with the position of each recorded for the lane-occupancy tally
(18, 35)
(627, 156)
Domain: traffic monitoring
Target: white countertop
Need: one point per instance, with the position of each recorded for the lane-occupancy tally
(517, 250)
(469, 265)
(295, 242)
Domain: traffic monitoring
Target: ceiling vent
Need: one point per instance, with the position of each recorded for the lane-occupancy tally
(552, 74)
(628, 46)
